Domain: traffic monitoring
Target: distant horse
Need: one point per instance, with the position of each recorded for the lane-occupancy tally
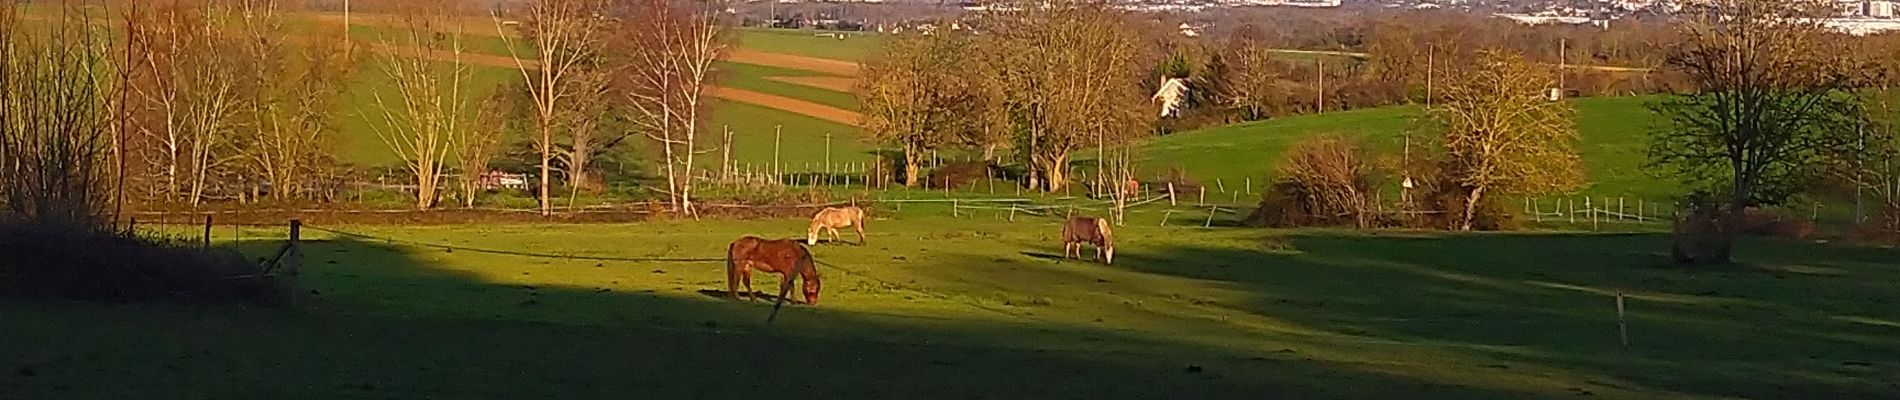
(784, 257)
(832, 218)
(1079, 230)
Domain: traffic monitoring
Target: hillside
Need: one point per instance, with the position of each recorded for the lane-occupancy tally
(1613, 130)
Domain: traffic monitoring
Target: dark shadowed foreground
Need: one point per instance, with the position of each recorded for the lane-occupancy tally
(959, 309)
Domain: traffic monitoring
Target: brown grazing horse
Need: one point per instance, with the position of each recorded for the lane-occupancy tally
(784, 257)
(1079, 230)
(832, 218)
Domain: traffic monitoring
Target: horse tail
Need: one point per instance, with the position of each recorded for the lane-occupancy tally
(732, 268)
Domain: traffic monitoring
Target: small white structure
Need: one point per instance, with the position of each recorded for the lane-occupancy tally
(1174, 91)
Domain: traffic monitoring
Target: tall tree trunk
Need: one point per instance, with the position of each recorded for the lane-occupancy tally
(913, 156)
(577, 165)
(547, 140)
(1471, 208)
(1732, 227)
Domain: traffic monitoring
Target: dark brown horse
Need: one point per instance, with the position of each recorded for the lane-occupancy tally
(784, 257)
(1087, 230)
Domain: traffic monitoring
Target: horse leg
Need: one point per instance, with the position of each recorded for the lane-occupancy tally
(860, 228)
(834, 234)
(746, 276)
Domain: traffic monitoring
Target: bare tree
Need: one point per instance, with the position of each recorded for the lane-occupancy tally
(583, 122)
(480, 143)
(193, 92)
(291, 91)
(55, 124)
(667, 66)
(1074, 78)
(1251, 80)
(424, 120)
(1503, 137)
(914, 97)
(1771, 98)
(564, 36)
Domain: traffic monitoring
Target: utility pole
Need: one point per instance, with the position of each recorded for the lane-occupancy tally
(1563, 58)
(1430, 52)
(1322, 83)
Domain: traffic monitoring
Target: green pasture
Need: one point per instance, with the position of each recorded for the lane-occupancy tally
(358, 117)
(801, 141)
(1614, 134)
(977, 307)
(856, 46)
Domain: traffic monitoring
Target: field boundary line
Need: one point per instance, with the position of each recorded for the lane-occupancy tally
(512, 252)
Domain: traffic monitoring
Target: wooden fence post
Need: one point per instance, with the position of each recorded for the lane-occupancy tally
(953, 207)
(207, 230)
(1165, 215)
(1622, 323)
(1249, 185)
(1203, 198)
(1210, 217)
(1537, 211)
(1219, 184)
(293, 258)
(1593, 213)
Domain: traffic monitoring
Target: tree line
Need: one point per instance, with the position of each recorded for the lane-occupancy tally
(245, 100)
(1763, 104)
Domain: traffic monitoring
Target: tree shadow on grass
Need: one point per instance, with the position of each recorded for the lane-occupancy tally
(382, 321)
(1548, 301)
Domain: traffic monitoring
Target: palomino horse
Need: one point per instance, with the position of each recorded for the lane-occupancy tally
(1079, 230)
(832, 218)
(784, 257)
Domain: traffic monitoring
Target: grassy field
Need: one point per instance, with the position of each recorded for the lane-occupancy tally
(856, 46)
(939, 307)
(1614, 132)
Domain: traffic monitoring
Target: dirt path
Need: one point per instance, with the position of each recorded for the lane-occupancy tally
(810, 109)
(832, 83)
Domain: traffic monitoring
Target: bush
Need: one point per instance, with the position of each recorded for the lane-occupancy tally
(77, 264)
(1325, 180)
(1438, 201)
(1765, 223)
(957, 174)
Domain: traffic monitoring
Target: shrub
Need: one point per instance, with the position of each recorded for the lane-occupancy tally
(1324, 180)
(1438, 202)
(957, 174)
(1765, 223)
(75, 264)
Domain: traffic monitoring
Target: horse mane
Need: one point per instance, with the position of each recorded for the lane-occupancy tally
(1108, 235)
